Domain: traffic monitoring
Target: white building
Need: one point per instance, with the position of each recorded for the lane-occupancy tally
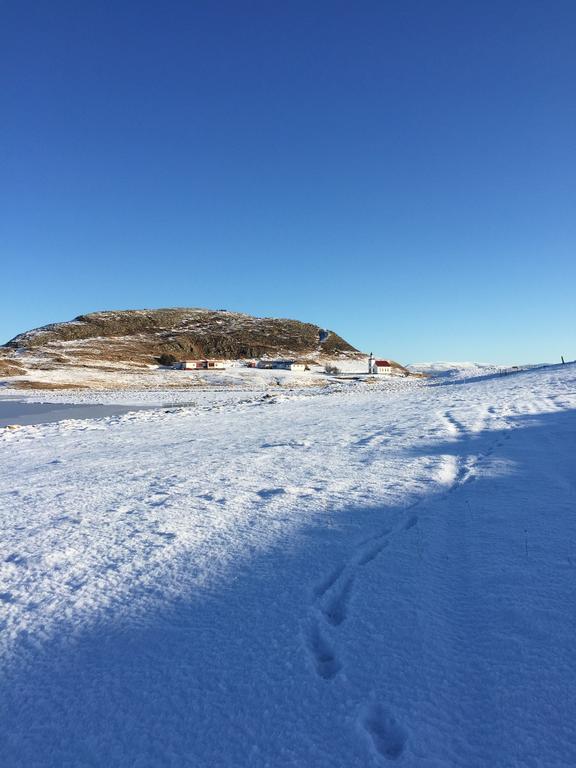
(202, 365)
(382, 366)
(285, 365)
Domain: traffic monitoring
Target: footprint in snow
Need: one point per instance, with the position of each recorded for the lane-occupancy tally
(167, 535)
(372, 553)
(16, 559)
(387, 736)
(325, 660)
(75, 584)
(325, 585)
(335, 608)
(158, 500)
(376, 537)
(454, 426)
(266, 493)
(286, 444)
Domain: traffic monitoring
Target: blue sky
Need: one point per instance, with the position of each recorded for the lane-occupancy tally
(402, 171)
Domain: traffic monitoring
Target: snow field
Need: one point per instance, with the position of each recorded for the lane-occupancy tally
(345, 579)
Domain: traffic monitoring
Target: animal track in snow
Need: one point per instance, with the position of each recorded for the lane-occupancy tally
(326, 663)
(167, 535)
(335, 609)
(330, 597)
(375, 537)
(387, 736)
(373, 438)
(464, 472)
(157, 499)
(16, 559)
(372, 553)
(268, 493)
(455, 426)
(286, 444)
(324, 586)
(447, 471)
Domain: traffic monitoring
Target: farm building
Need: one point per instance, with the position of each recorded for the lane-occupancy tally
(200, 365)
(285, 365)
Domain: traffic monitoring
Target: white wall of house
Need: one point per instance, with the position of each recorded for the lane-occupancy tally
(199, 365)
(283, 365)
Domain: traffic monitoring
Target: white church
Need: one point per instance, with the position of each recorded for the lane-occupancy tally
(379, 366)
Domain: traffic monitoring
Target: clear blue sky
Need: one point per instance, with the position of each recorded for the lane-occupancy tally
(402, 171)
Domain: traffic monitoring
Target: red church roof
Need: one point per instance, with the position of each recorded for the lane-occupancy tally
(383, 363)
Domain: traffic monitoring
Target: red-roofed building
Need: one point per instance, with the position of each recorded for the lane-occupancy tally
(382, 366)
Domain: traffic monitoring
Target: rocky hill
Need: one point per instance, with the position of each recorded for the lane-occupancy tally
(141, 337)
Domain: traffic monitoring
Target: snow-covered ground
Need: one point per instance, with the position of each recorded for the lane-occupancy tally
(328, 578)
(113, 378)
(468, 370)
(170, 387)
(102, 375)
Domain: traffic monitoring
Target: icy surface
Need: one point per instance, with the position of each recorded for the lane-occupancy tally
(328, 579)
(23, 412)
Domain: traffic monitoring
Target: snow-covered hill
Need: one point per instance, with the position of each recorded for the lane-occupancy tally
(454, 369)
(440, 366)
(132, 341)
(468, 370)
(336, 579)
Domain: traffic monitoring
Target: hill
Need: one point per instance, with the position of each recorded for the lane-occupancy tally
(137, 339)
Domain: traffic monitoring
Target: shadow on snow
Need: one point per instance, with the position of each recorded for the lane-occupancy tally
(221, 678)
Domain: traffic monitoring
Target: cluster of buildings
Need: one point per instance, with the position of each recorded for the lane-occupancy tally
(374, 366)
(208, 365)
(199, 365)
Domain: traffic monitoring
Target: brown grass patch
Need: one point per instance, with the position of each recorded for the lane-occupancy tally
(44, 385)
(8, 368)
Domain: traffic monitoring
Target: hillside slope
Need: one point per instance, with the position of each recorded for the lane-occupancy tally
(141, 336)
